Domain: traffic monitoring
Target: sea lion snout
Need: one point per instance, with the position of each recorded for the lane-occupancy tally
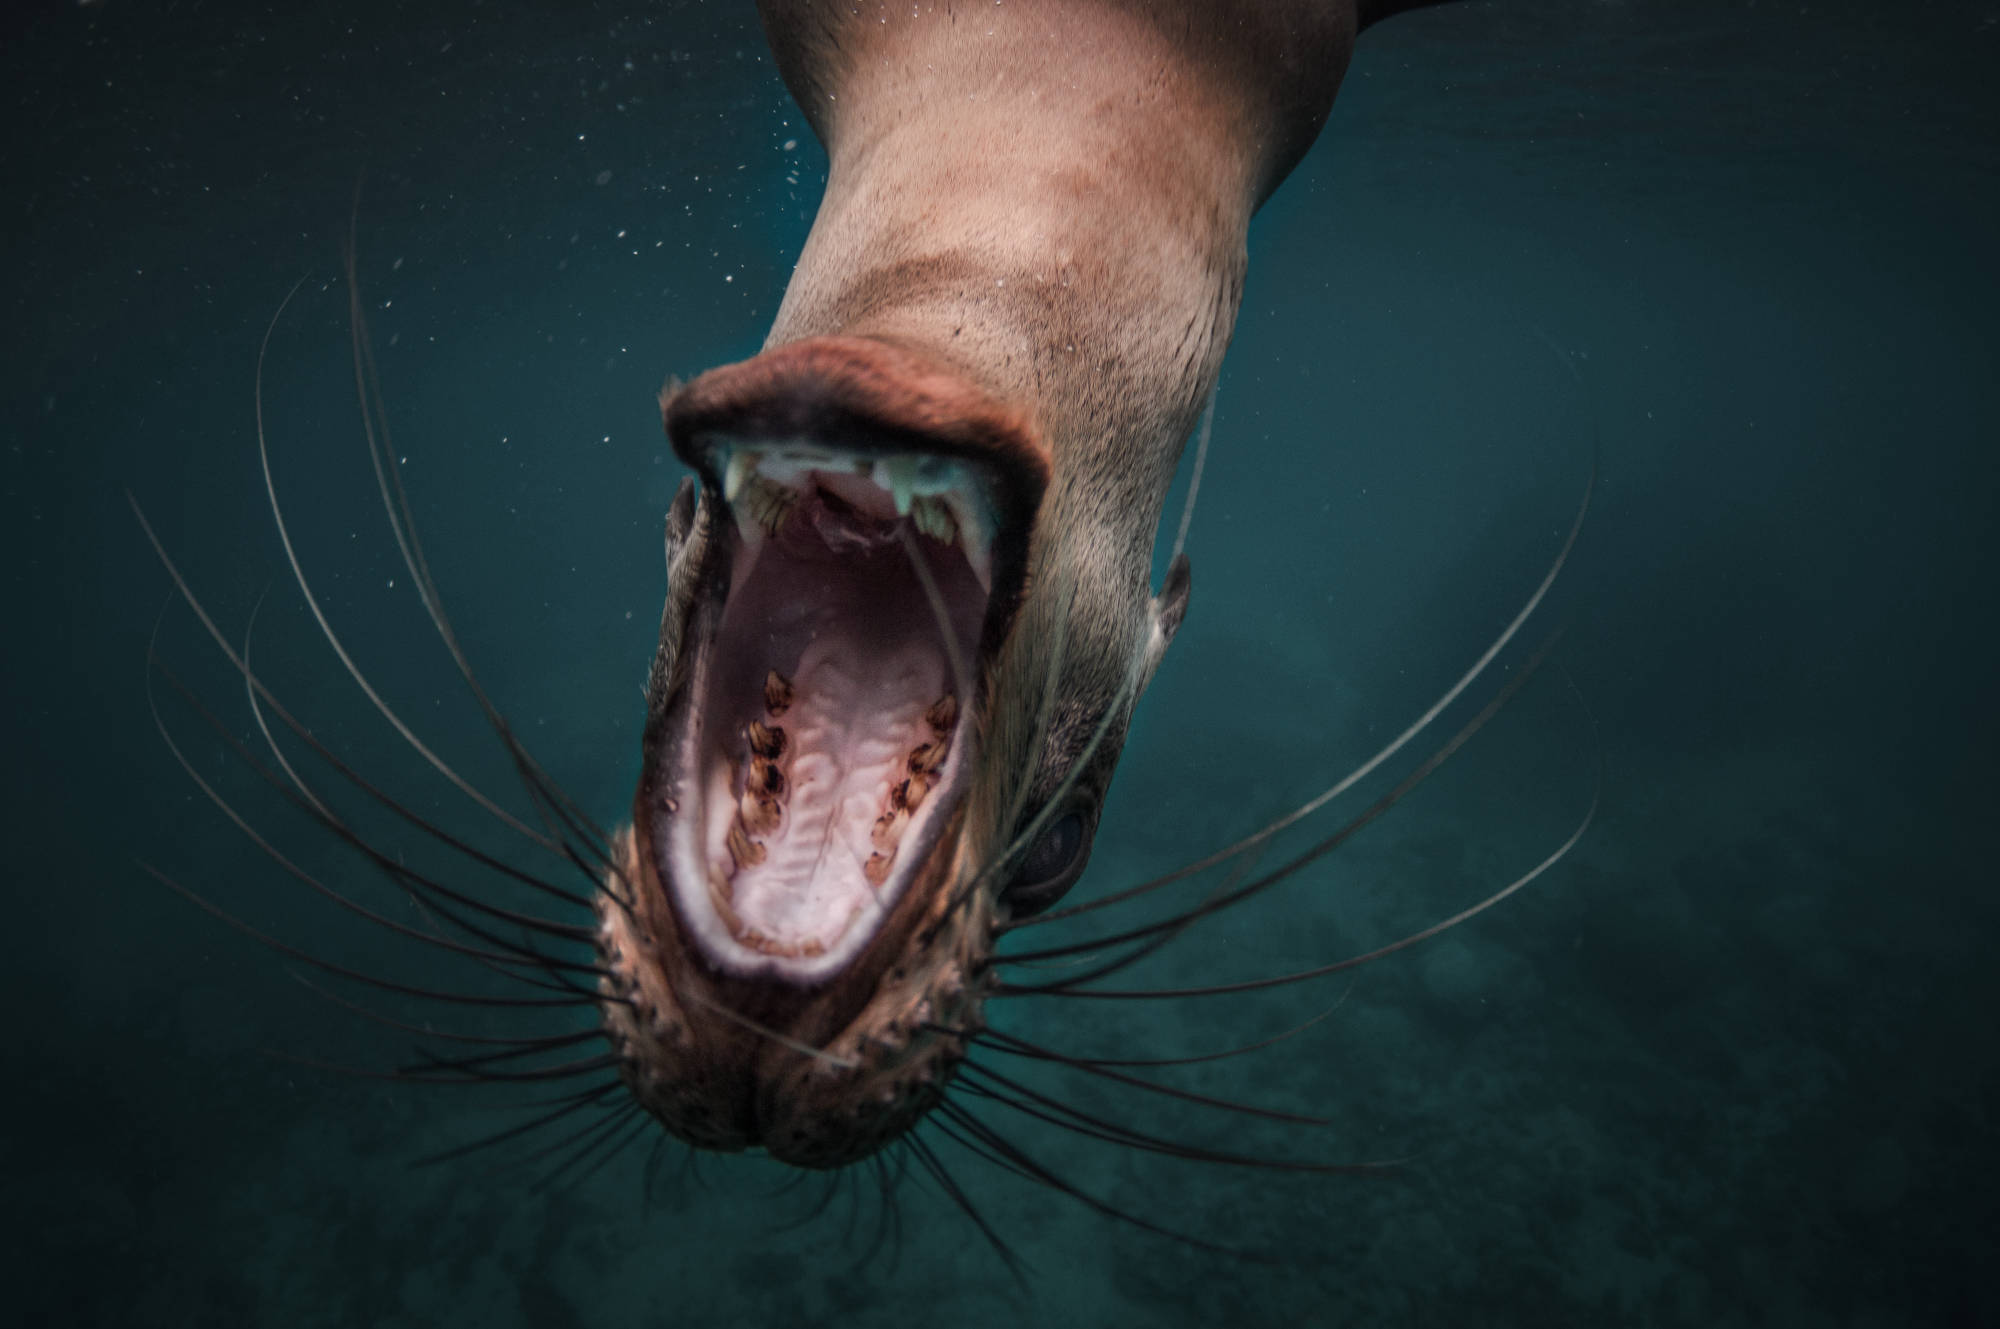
(795, 943)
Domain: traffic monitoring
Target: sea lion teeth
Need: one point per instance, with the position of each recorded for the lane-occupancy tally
(925, 758)
(930, 516)
(757, 941)
(742, 465)
(876, 869)
(777, 693)
(765, 779)
(942, 715)
(898, 475)
(913, 791)
(722, 894)
(888, 830)
(745, 851)
(765, 741)
(768, 504)
(759, 813)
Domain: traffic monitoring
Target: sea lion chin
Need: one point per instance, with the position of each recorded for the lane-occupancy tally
(908, 614)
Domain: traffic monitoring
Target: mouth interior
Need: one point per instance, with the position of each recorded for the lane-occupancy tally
(825, 739)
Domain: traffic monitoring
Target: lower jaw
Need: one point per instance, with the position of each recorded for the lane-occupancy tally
(816, 1080)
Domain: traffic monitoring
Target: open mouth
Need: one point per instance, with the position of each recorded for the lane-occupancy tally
(825, 735)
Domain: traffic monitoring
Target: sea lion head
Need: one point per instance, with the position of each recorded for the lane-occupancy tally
(901, 645)
(909, 609)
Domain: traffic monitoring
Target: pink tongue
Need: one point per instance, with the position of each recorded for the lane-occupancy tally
(852, 722)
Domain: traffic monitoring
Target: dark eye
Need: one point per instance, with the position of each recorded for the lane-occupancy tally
(1051, 865)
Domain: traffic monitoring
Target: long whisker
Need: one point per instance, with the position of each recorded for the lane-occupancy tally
(765, 1031)
(1058, 647)
(524, 955)
(319, 749)
(394, 869)
(1338, 966)
(587, 1142)
(636, 1123)
(573, 1103)
(549, 798)
(257, 710)
(1194, 480)
(967, 1121)
(566, 1071)
(1073, 1059)
(1361, 772)
(1146, 946)
(390, 1022)
(1052, 805)
(961, 672)
(333, 641)
(480, 1061)
(1368, 816)
(932, 1164)
(1057, 1113)
(262, 938)
(1000, 1042)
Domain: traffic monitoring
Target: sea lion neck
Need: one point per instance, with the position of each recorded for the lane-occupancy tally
(910, 616)
(1053, 199)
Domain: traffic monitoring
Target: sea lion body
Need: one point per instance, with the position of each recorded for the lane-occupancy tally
(1021, 282)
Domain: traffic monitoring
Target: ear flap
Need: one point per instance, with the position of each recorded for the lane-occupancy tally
(1167, 609)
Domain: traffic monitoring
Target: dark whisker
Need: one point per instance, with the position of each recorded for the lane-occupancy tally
(1000, 1042)
(783, 1040)
(567, 1071)
(319, 749)
(527, 956)
(404, 1026)
(577, 1147)
(1036, 1171)
(1072, 1059)
(390, 985)
(1021, 1098)
(649, 1178)
(888, 1217)
(573, 1103)
(528, 1048)
(636, 1124)
(814, 1212)
(932, 1164)
(945, 1121)
(563, 1071)
(1338, 966)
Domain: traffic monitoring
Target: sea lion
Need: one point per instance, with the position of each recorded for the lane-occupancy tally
(908, 615)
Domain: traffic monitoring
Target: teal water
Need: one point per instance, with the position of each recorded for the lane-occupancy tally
(1732, 1062)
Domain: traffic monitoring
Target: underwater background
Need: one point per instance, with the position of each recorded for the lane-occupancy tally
(1733, 1061)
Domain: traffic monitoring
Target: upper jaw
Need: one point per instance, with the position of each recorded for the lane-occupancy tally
(806, 765)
